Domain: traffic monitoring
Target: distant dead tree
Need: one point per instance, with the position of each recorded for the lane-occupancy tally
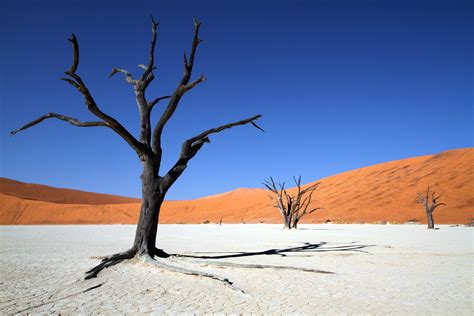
(431, 203)
(148, 146)
(292, 207)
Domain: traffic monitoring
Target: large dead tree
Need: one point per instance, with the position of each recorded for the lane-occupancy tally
(292, 207)
(430, 202)
(147, 146)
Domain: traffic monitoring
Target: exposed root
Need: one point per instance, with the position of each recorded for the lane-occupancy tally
(109, 261)
(259, 266)
(160, 253)
(158, 263)
(157, 259)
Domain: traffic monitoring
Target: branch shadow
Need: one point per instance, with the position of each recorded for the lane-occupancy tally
(304, 228)
(283, 252)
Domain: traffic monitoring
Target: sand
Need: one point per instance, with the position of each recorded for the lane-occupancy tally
(400, 269)
(44, 193)
(383, 192)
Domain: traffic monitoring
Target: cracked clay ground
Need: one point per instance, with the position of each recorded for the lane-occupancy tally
(399, 269)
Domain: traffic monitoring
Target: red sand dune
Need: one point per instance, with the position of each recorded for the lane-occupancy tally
(383, 192)
(63, 196)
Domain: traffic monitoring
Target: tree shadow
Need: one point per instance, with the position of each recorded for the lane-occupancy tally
(304, 228)
(283, 252)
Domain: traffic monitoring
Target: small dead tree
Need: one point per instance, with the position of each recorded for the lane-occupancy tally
(292, 207)
(148, 146)
(431, 203)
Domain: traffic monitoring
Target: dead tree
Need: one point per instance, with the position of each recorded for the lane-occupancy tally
(303, 201)
(279, 196)
(292, 207)
(147, 146)
(431, 203)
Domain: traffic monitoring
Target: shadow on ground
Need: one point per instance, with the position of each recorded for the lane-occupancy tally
(306, 248)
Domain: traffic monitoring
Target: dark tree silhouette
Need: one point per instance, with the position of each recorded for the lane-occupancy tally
(431, 203)
(292, 207)
(148, 146)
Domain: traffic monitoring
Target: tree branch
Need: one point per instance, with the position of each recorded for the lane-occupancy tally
(147, 75)
(435, 206)
(75, 52)
(154, 102)
(315, 209)
(194, 83)
(182, 88)
(128, 76)
(140, 87)
(191, 146)
(79, 84)
(278, 190)
(205, 134)
(188, 65)
(61, 117)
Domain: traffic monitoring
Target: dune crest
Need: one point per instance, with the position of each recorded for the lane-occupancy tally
(46, 193)
(382, 192)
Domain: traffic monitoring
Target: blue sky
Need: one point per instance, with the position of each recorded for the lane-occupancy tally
(340, 85)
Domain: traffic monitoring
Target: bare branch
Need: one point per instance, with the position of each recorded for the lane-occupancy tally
(154, 102)
(147, 75)
(128, 76)
(434, 197)
(75, 46)
(182, 88)
(142, 66)
(257, 127)
(420, 199)
(188, 65)
(79, 84)
(61, 117)
(315, 209)
(311, 188)
(185, 60)
(221, 128)
(191, 85)
(277, 189)
(71, 82)
(436, 205)
(191, 146)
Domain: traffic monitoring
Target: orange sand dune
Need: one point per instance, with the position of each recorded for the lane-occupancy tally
(64, 196)
(384, 192)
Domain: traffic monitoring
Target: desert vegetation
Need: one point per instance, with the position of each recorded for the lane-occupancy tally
(155, 184)
(430, 202)
(292, 207)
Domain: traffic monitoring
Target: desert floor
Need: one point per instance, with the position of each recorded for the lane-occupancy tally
(399, 269)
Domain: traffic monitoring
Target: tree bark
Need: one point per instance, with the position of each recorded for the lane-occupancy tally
(286, 223)
(152, 199)
(429, 215)
(295, 223)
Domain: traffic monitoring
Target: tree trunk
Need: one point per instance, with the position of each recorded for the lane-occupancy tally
(429, 215)
(152, 198)
(286, 222)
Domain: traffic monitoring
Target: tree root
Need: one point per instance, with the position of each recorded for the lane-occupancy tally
(156, 259)
(259, 266)
(160, 253)
(158, 263)
(110, 261)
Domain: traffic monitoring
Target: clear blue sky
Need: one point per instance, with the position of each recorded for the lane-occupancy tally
(340, 85)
